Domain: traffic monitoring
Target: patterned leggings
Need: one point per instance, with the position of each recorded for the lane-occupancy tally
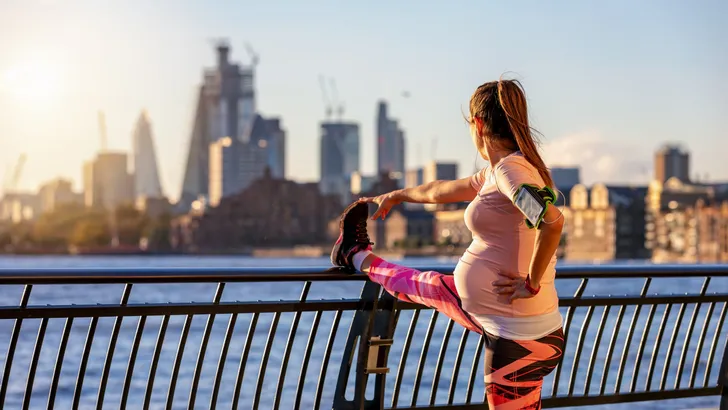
(514, 369)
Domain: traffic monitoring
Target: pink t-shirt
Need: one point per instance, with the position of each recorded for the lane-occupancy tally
(501, 241)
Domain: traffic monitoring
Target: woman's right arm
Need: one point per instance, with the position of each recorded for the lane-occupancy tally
(436, 192)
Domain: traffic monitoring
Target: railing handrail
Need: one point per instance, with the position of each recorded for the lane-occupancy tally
(10, 276)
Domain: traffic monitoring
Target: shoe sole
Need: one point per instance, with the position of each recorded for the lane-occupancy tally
(335, 251)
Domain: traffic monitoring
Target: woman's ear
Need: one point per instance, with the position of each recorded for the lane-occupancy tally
(478, 126)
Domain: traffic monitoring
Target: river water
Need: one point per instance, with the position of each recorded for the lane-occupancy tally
(152, 293)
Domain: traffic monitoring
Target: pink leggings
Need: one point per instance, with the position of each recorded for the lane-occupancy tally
(432, 289)
(514, 369)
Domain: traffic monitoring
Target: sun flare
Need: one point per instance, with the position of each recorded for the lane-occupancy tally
(32, 81)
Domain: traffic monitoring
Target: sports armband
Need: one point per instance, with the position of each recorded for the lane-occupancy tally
(533, 202)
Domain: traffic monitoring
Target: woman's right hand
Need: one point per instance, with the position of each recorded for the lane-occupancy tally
(385, 203)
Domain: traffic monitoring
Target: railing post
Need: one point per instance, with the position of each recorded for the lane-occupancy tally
(380, 341)
(372, 328)
(723, 379)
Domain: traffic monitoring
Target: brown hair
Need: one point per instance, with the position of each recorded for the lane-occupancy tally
(502, 107)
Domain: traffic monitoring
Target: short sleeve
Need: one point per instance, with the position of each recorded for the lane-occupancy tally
(478, 179)
(511, 173)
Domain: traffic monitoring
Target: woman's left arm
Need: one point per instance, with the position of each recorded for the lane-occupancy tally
(509, 176)
(547, 242)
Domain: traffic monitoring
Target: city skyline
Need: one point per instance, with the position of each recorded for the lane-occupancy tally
(605, 99)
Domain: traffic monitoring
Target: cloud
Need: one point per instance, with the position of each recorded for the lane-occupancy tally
(600, 159)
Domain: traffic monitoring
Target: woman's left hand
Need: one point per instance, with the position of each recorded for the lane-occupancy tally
(511, 283)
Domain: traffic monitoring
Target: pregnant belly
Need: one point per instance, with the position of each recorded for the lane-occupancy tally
(474, 279)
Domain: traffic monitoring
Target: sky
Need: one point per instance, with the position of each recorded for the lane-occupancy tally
(607, 82)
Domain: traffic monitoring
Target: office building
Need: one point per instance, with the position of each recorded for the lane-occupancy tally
(56, 193)
(361, 183)
(146, 171)
(225, 108)
(235, 163)
(672, 161)
(413, 178)
(390, 145)
(438, 171)
(339, 158)
(106, 181)
(269, 133)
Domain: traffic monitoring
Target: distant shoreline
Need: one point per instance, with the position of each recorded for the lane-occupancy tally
(272, 252)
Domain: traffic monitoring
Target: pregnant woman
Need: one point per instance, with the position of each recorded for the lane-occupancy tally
(503, 285)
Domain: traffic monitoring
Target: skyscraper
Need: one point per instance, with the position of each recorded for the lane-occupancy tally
(672, 161)
(269, 130)
(339, 157)
(390, 145)
(235, 163)
(225, 108)
(146, 172)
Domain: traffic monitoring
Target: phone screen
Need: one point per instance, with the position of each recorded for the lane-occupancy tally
(529, 205)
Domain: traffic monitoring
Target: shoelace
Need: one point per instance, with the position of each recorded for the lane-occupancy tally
(362, 236)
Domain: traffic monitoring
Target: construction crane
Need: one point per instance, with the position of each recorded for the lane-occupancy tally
(254, 57)
(338, 105)
(6, 178)
(12, 181)
(327, 102)
(102, 131)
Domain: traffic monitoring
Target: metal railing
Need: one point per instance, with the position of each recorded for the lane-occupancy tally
(306, 338)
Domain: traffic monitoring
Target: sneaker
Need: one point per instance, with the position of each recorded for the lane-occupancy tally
(353, 236)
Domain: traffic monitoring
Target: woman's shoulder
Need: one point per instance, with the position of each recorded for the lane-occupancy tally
(515, 161)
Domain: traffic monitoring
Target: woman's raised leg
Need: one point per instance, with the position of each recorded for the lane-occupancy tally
(432, 289)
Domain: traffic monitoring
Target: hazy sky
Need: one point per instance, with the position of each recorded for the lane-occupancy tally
(607, 81)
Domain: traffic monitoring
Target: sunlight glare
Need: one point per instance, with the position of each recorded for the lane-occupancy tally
(33, 81)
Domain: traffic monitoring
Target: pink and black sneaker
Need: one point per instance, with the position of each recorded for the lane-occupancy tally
(353, 236)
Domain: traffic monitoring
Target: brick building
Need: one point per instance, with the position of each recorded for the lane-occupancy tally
(270, 212)
(404, 228)
(687, 222)
(605, 223)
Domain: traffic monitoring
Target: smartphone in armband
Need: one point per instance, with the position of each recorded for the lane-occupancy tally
(533, 203)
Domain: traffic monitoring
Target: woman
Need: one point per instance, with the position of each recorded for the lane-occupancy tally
(503, 286)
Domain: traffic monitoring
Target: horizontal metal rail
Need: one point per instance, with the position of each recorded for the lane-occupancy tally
(334, 334)
(30, 276)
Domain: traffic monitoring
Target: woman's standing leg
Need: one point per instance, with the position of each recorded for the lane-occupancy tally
(514, 369)
(432, 289)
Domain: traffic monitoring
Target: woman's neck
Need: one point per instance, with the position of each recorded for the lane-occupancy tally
(495, 155)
